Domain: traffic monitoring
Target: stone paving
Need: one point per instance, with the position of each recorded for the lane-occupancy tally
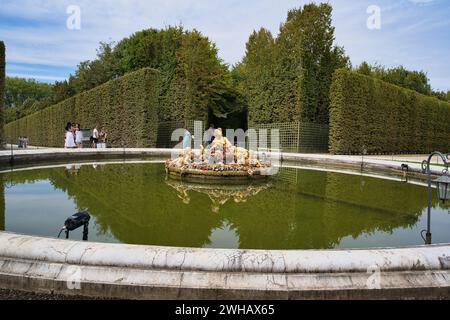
(381, 159)
(23, 295)
(391, 162)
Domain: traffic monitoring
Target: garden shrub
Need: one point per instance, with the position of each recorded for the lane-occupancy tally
(382, 118)
(127, 107)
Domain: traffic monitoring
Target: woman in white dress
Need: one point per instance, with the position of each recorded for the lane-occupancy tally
(78, 136)
(69, 141)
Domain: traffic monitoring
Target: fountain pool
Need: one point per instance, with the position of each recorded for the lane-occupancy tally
(301, 208)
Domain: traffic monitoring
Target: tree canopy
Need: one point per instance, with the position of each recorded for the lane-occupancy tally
(413, 80)
(22, 96)
(287, 78)
(193, 82)
(19, 90)
(280, 79)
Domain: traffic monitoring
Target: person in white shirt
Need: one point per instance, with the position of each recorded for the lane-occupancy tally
(69, 141)
(78, 136)
(94, 138)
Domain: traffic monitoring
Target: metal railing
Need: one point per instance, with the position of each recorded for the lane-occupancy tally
(300, 137)
(165, 130)
(10, 144)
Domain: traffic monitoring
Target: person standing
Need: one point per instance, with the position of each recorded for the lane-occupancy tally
(94, 138)
(187, 139)
(69, 141)
(210, 134)
(78, 136)
(103, 137)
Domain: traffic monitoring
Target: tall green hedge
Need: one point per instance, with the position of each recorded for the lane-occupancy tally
(127, 107)
(287, 78)
(367, 113)
(2, 92)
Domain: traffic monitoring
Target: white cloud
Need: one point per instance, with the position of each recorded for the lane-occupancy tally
(420, 1)
(405, 26)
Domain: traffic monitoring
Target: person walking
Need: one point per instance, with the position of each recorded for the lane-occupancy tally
(69, 141)
(78, 136)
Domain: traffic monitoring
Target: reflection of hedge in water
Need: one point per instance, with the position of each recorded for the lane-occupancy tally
(395, 198)
(372, 204)
(127, 107)
(27, 176)
(322, 208)
(126, 200)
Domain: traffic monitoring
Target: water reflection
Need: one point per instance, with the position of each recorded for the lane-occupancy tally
(73, 169)
(219, 194)
(302, 209)
(224, 236)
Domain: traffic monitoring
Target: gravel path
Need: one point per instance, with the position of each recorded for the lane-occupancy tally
(6, 294)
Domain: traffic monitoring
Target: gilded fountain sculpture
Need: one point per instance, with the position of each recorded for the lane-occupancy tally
(219, 160)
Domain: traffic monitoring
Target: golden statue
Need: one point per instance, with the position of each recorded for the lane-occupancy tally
(218, 160)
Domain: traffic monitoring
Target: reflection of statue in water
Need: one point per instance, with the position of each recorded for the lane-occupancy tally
(182, 193)
(218, 194)
(73, 169)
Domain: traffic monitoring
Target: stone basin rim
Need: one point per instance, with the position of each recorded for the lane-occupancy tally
(30, 156)
(22, 247)
(138, 272)
(287, 157)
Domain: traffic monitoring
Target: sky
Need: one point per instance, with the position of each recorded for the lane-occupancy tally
(41, 45)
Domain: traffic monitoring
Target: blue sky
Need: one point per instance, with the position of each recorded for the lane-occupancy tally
(413, 33)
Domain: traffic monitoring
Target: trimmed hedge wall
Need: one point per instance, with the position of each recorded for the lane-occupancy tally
(2, 206)
(367, 113)
(127, 107)
(2, 93)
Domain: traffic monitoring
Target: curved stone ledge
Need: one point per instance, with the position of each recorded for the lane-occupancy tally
(14, 246)
(131, 271)
(58, 154)
(149, 272)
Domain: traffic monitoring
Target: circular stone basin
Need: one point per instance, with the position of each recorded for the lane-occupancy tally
(138, 203)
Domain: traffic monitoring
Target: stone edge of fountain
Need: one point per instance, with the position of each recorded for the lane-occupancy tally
(148, 272)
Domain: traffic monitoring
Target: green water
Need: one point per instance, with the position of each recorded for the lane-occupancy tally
(300, 209)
